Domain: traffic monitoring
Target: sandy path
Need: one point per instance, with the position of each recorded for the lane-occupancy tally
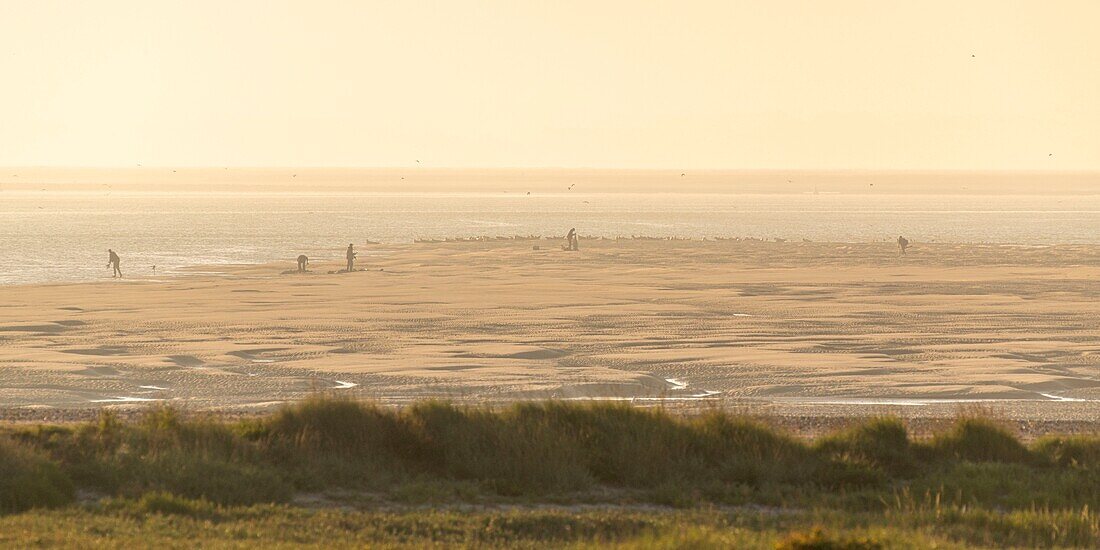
(787, 323)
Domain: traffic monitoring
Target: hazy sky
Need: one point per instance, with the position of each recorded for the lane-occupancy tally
(872, 84)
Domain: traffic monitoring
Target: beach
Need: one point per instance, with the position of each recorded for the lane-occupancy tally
(797, 328)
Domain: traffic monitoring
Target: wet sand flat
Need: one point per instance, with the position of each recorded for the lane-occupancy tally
(789, 327)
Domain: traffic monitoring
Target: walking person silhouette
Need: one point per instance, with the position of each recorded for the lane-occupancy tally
(303, 261)
(113, 261)
(351, 257)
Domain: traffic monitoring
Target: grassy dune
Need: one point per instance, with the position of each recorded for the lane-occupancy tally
(331, 472)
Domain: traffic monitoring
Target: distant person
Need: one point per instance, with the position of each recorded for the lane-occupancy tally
(303, 261)
(113, 261)
(572, 242)
(903, 243)
(351, 257)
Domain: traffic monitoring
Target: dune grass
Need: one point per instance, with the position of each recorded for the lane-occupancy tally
(28, 479)
(130, 523)
(975, 483)
(165, 520)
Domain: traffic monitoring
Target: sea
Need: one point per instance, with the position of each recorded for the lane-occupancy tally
(62, 236)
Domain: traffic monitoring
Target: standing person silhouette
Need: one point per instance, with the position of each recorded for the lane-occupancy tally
(303, 261)
(114, 261)
(572, 240)
(351, 257)
(903, 243)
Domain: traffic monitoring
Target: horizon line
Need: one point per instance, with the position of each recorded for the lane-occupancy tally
(567, 168)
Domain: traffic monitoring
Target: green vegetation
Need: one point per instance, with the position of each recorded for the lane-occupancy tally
(336, 472)
(28, 479)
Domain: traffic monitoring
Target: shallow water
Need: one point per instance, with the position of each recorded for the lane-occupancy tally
(914, 401)
(64, 236)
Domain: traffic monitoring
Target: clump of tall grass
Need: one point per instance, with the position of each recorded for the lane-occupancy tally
(331, 441)
(327, 425)
(743, 450)
(28, 479)
(881, 443)
(518, 450)
(1070, 452)
(193, 458)
(980, 439)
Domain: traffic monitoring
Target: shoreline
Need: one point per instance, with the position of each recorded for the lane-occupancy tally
(238, 269)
